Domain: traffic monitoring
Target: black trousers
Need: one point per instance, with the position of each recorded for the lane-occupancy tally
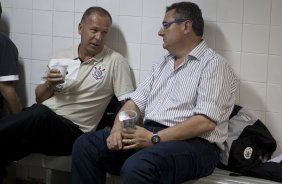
(36, 129)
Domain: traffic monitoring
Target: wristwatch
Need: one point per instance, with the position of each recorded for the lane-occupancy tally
(155, 138)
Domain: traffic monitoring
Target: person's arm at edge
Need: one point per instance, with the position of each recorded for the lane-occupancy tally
(8, 90)
(190, 128)
(44, 91)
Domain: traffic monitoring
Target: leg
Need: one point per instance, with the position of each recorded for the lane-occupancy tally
(37, 129)
(171, 162)
(91, 158)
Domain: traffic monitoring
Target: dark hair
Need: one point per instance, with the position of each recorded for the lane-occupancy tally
(95, 9)
(191, 11)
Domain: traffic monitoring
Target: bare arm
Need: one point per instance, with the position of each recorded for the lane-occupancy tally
(9, 92)
(46, 90)
(192, 127)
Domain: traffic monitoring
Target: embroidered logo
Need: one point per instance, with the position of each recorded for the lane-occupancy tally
(98, 73)
(248, 153)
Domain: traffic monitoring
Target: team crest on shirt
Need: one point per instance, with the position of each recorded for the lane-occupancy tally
(98, 73)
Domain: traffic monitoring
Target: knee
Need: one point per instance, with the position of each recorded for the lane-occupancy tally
(91, 143)
(135, 167)
(79, 144)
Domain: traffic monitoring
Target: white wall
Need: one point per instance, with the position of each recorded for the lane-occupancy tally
(246, 32)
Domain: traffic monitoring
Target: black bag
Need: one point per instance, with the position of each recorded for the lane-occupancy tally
(248, 146)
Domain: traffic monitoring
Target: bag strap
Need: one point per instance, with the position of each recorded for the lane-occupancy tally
(235, 111)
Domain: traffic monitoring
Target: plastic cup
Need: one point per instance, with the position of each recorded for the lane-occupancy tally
(129, 118)
(62, 68)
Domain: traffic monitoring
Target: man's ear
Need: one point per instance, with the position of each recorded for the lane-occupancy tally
(188, 26)
(79, 28)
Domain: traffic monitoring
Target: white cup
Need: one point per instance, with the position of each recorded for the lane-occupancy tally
(129, 118)
(62, 68)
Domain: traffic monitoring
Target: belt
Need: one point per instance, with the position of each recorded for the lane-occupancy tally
(154, 124)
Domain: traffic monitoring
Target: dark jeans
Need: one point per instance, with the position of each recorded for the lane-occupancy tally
(170, 162)
(36, 129)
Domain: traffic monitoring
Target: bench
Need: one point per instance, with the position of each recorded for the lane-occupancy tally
(58, 167)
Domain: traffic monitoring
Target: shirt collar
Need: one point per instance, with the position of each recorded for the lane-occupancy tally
(199, 50)
(97, 58)
(196, 53)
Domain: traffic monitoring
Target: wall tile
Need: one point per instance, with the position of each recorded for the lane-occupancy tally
(22, 21)
(41, 47)
(208, 8)
(237, 92)
(210, 31)
(42, 27)
(113, 34)
(154, 8)
(274, 103)
(131, 7)
(150, 54)
(31, 99)
(63, 24)
(82, 5)
(38, 69)
(275, 40)
(77, 19)
(274, 125)
(43, 5)
(228, 36)
(276, 12)
(230, 11)
(27, 4)
(64, 5)
(25, 64)
(130, 28)
(23, 43)
(274, 69)
(136, 74)
(61, 43)
(234, 58)
(253, 67)
(111, 6)
(260, 115)
(150, 29)
(133, 55)
(253, 95)
(6, 3)
(255, 38)
(257, 11)
(278, 150)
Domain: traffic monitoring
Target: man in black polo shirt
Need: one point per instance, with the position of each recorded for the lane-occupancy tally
(8, 73)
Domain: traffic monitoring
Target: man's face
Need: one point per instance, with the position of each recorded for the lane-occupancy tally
(93, 33)
(171, 31)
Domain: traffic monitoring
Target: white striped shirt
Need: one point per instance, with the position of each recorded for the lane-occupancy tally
(203, 84)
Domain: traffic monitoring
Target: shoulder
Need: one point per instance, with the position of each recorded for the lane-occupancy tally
(114, 55)
(4, 39)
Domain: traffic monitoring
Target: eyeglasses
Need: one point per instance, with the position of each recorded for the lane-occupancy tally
(165, 25)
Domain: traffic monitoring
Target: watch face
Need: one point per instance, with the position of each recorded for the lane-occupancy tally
(155, 139)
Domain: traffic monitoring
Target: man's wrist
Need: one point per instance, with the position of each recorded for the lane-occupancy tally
(48, 85)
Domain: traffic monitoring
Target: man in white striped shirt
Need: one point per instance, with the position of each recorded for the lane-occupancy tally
(183, 105)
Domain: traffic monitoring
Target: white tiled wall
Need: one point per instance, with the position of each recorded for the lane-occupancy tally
(246, 32)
